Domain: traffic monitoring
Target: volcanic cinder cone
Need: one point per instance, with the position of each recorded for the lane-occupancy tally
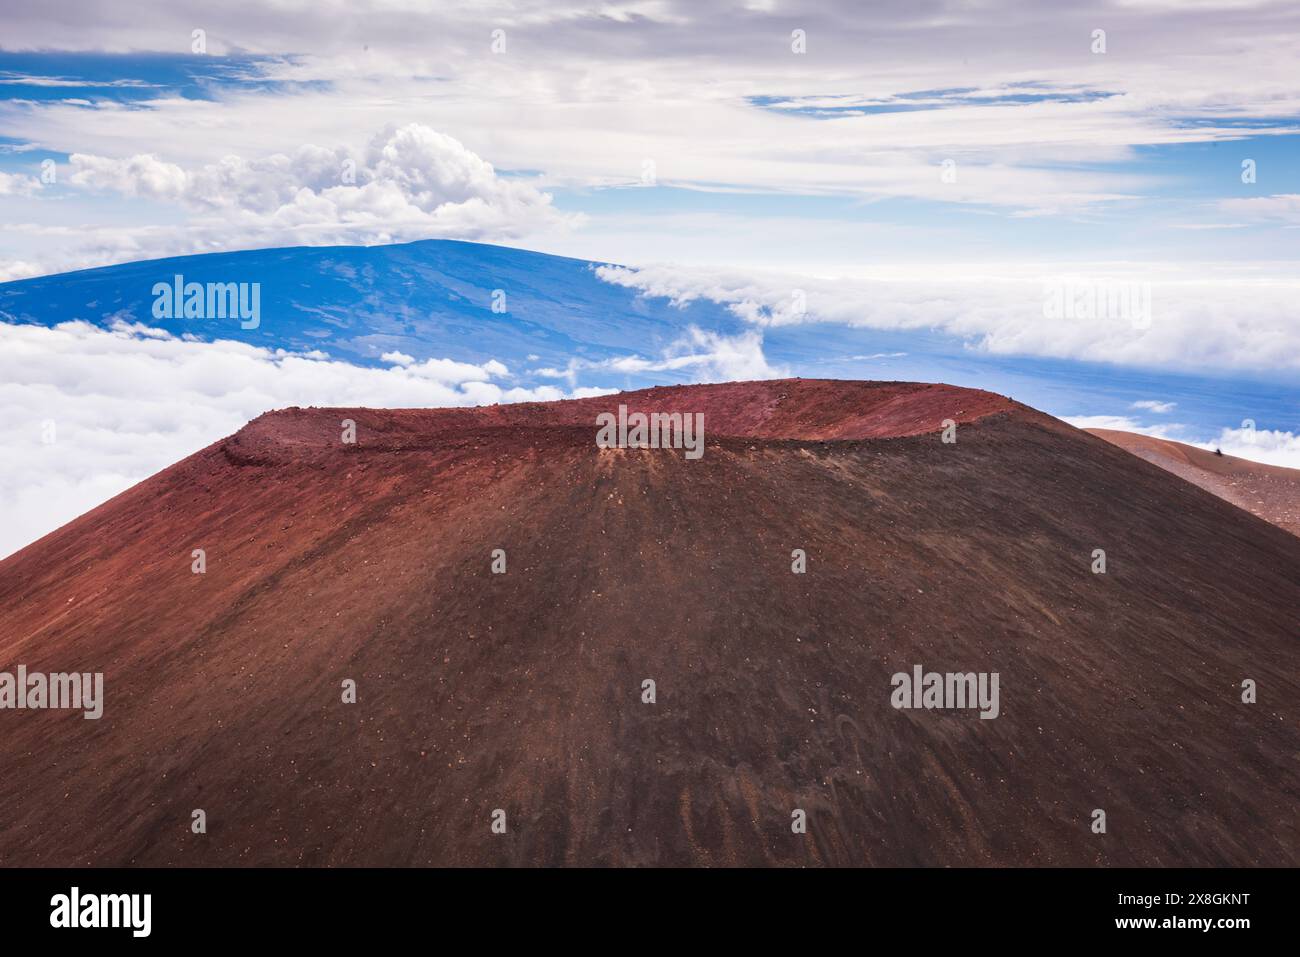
(523, 691)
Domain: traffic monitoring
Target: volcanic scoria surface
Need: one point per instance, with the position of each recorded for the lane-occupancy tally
(1269, 491)
(523, 691)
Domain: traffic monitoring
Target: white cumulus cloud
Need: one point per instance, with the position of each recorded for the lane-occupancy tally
(17, 184)
(410, 182)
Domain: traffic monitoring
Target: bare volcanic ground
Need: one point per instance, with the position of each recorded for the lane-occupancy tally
(523, 691)
(1269, 491)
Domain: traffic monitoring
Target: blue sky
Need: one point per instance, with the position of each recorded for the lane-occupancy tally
(924, 175)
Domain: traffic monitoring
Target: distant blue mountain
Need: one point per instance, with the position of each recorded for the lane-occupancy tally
(433, 299)
(429, 299)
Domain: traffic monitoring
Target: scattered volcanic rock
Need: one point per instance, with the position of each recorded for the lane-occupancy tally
(523, 691)
(1270, 491)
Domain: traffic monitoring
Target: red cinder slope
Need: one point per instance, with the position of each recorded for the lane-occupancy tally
(523, 691)
(1269, 491)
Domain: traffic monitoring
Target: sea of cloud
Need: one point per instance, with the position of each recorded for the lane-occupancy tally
(1195, 321)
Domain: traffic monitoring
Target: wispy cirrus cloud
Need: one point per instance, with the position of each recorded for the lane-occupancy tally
(1013, 92)
(1280, 208)
(1154, 405)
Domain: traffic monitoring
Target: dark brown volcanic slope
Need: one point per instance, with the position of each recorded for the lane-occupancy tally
(1269, 491)
(522, 691)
